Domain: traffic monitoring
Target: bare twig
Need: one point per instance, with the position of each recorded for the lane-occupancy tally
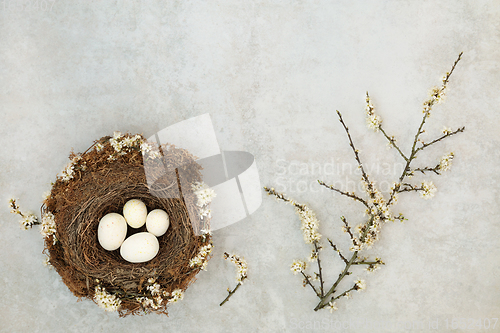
(347, 194)
(338, 251)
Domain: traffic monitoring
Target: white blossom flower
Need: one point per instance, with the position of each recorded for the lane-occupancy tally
(428, 190)
(29, 219)
(146, 147)
(154, 154)
(129, 141)
(203, 193)
(360, 284)
(153, 303)
(313, 256)
(99, 146)
(46, 195)
(372, 268)
(177, 295)
(446, 130)
(105, 300)
(445, 162)
(205, 212)
(374, 121)
(154, 288)
(46, 262)
(68, 172)
(332, 306)
(298, 266)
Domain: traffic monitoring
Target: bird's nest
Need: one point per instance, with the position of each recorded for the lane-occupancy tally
(101, 181)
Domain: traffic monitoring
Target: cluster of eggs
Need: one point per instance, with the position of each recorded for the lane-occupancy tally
(140, 247)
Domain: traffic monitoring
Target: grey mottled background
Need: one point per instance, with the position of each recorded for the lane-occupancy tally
(271, 74)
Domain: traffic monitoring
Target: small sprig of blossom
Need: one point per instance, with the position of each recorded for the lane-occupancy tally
(177, 295)
(428, 190)
(204, 194)
(201, 258)
(372, 119)
(69, 171)
(48, 226)
(309, 224)
(147, 302)
(445, 162)
(241, 266)
(28, 219)
(298, 266)
(122, 144)
(106, 300)
(155, 301)
(436, 95)
(154, 288)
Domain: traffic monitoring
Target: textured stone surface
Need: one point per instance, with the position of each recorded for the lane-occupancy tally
(271, 74)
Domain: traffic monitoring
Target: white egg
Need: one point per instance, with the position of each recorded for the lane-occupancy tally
(140, 247)
(135, 213)
(157, 222)
(111, 231)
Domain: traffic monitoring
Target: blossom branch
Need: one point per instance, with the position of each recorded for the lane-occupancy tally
(241, 273)
(322, 303)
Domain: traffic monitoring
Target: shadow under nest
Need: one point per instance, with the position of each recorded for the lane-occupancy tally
(101, 186)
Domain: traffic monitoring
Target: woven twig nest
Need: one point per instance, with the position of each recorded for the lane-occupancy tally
(101, 181)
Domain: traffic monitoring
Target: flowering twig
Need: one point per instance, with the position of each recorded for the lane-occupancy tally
(28, 219)
(241, 273)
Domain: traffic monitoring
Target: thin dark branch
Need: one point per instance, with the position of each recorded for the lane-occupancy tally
(306, 279)
(423, 170)
(338, 251)
(230, 293)
(392, 141)
(461, 129)
(356, 154)
(347, 194)
(316, 248)
(347, 228)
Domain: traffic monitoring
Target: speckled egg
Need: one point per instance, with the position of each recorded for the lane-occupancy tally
(111, 231)
(135, 213)
(157, 222)
(140, 247)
